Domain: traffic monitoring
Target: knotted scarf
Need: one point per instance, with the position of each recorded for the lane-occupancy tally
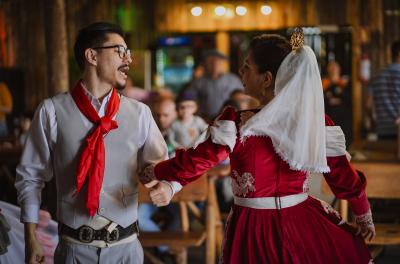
(92, 160)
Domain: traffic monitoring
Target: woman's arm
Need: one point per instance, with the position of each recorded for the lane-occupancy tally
(188, 165)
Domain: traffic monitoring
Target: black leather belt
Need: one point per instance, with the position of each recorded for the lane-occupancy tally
(86, 234)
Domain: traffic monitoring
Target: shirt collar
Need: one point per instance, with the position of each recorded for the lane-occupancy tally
(96, 102)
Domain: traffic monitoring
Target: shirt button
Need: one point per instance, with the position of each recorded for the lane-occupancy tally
(102, 210)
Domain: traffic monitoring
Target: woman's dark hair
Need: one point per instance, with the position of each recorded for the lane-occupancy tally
(268, 51)
(94, 35)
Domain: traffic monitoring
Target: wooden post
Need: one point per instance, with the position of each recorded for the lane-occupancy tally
(353, 18)
(222, 40)
(211, 224)
(56, 46)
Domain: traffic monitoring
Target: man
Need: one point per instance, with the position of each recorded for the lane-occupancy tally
(215, 87)
(385, 92)
(95, 142)
(6, 104)
(337, 99)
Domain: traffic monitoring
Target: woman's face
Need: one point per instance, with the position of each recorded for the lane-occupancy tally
(252, 80)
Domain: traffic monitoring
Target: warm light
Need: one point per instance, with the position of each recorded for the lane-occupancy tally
(220, 10)
(241, 10)
(196, 11)
(229, 13)
(266, 10)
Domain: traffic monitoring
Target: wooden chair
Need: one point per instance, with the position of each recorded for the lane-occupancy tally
(383, 182)
(179, 241)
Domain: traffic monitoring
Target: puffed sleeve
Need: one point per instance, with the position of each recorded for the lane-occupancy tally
(212, 147)
(344, 180)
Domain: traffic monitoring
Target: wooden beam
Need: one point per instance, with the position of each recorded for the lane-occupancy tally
(353, 12)
(56, 46)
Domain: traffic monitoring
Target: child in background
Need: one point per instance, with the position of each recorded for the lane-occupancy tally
(187, 123)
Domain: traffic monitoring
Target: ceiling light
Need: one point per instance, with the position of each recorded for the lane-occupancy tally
(241, 10)
(220, 10)
(266, 10)
(196, 11)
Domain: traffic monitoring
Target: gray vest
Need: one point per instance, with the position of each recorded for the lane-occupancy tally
(119, 193)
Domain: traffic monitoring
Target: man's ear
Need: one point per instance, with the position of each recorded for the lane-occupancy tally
(91, 56)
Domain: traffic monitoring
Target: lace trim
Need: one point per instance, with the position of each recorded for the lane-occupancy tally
(243, 184)
(365, 220)
(329, 210)
(148, 174)
(306, 183)
(298, 166)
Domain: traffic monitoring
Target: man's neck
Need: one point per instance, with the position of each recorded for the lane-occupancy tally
(96, 87)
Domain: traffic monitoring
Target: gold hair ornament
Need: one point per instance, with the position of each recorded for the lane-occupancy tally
(297, 38)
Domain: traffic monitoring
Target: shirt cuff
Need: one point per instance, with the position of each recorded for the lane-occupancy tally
(30, 213)
(175, 186)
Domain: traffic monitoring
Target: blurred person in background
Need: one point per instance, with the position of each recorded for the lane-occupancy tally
(337, 98)
(6, 105)
(215, 87)
(384, 97)
(188, 126)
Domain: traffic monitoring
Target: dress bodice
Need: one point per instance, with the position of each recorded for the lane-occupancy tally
(257, 171)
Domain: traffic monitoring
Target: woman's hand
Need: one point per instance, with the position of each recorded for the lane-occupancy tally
(366, 226)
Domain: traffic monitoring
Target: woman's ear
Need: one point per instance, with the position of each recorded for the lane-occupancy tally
(268, 80)
(91, 56)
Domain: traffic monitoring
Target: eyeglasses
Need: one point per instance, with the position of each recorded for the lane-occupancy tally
(122, 51)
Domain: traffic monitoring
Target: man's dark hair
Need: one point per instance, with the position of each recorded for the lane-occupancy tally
(93, 35)
(395, 50)
(268, 51)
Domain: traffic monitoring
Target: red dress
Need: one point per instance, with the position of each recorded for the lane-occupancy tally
(309, 232)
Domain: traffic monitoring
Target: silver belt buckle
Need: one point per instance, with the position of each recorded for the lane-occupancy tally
(113, 236)
(85, 234)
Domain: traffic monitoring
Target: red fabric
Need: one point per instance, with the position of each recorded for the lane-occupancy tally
(302, 234)
(346, 182)
(190, 164)
(91, 163)
(310, 232)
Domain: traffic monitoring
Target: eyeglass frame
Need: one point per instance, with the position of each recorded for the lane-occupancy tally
(124, 53)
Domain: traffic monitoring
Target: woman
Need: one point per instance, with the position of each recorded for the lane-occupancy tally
(272, 152)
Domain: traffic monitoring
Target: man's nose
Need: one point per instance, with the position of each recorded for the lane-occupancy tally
(128, 59)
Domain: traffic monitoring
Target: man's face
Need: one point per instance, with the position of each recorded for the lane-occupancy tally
(214, 65)
(111, 67)
(186, 109)
(165, 114)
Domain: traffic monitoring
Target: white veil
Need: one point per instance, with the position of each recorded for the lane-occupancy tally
(294, 119)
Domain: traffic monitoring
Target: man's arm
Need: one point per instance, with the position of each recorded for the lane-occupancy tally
(32, 172)
(155, 150)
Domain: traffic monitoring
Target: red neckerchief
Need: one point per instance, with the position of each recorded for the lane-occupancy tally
(91, 163)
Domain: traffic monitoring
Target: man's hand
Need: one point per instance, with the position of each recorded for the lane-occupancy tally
(161, 192)
(33, 250)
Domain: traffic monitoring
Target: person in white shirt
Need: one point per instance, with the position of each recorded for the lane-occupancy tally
(94, 142)
(187, 127)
